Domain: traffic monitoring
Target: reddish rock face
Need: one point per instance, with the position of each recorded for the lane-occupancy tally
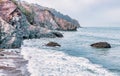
(65, 25)
(6, 8)
(20, 20)
(46, 18)
(37, 15)
(49, 18)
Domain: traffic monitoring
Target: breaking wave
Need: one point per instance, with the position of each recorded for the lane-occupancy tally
(55, 63)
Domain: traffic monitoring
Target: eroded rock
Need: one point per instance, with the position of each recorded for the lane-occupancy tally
(53, 44)
(101, 45)
(57, 34)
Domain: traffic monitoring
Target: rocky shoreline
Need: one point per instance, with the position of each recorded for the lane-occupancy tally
(20, 20)
(12, 63)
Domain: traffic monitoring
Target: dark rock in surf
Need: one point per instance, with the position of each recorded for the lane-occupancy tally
(101, 45)
(53, 44)
(57, 34)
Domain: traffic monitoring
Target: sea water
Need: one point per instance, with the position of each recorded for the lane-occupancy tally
(75, 57)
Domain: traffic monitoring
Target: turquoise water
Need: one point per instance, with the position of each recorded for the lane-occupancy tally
(74, 46)
(108, 58)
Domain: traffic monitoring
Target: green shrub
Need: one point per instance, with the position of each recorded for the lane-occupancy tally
(29, 15)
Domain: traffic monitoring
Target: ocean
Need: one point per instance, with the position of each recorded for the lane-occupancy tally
(75, 57)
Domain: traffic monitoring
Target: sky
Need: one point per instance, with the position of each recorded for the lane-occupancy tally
(89, 13)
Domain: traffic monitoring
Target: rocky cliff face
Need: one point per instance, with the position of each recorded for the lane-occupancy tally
(20, 20)
(48, 18)
(9, 36)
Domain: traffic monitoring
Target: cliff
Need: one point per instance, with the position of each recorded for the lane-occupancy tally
(47, 17)
(20, 20)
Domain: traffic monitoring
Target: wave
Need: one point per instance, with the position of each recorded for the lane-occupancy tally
(55, 63)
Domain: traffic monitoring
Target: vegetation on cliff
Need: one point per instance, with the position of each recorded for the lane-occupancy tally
(29, 14)
(21, 20)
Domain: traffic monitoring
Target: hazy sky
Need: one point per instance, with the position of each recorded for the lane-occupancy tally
(87, 12)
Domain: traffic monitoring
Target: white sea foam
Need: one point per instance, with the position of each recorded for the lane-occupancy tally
(54, 63)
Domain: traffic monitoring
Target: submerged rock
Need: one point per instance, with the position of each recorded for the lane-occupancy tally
(101, 45)
(53, 44)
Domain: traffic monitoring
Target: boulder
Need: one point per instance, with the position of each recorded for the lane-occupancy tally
(57, 34)
(53, 44)
(101, 45)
